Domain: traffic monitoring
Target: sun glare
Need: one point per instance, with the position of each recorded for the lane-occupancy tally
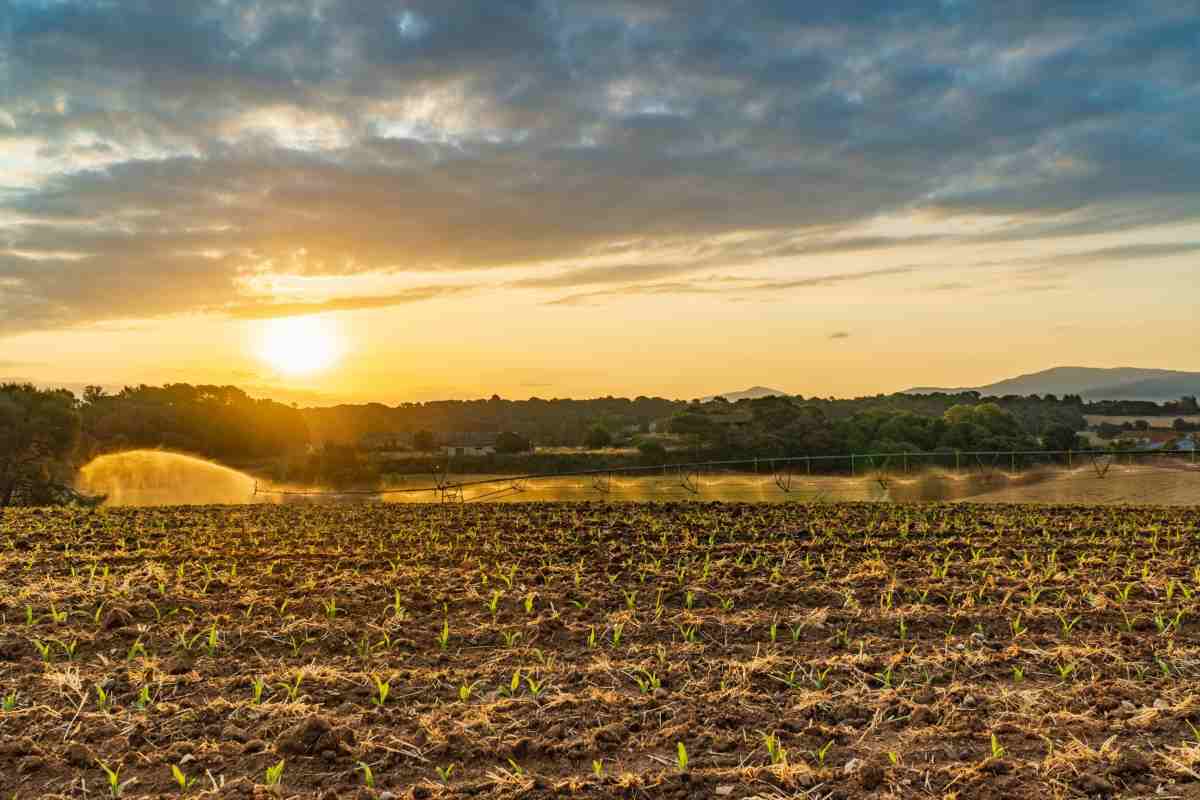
(299, 345)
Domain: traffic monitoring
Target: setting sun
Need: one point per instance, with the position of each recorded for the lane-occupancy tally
(299, 345)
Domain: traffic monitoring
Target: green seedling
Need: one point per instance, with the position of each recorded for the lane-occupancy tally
(116, 787)
(514, 685)
(212, 640)
(69, 649)
(275, 773)
(381, 692)
(775, 750)
(292, 690)
(681, 757)
(445, 772)
(43, 649)
(181, 778)
(443, 638)
(997, 748)
(648, 682)
(368, 775)
(256, 690)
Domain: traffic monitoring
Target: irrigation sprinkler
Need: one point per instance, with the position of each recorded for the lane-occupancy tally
(1102, 465)
(880, 474)
(602, 483)
(782, 476)
(783, 470)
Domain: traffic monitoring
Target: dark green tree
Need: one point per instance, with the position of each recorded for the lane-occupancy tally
(509, 442)
(1060, 437)
(423, 441)
(38, 433)
(653, 452)
(597, 437)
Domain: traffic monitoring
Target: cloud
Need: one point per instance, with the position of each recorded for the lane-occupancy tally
(839, 335)
(730, 286)
(269, 310)
(176, 155)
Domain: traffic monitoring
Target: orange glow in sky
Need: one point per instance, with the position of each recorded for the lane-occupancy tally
(299, 345)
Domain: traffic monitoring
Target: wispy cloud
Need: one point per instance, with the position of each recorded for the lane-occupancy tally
(731, 286)
(269, 310)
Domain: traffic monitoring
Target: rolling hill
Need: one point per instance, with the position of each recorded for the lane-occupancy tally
(1122, 383)
(753, 393)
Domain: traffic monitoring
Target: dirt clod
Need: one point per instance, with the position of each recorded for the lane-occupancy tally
(313, 736)
(1094, 785)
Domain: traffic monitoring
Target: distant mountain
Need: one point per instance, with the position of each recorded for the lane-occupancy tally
(753, 393)
(1122, 383)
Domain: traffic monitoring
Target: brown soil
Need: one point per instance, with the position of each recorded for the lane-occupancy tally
(940, 651)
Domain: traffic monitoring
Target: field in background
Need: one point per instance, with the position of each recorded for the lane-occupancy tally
(599, 650)
(1155, 422)
(149, 478)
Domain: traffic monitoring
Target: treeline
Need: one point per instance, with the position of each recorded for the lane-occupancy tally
(546, 423)
(45, 435)
(778, 426)
(1186, 406)
(220, 422)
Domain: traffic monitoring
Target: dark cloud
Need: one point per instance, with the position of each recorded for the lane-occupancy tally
(839, 335)
(160, 156)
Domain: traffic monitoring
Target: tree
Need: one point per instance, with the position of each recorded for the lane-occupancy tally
(38, 432)
(653, 452)
(1060, 437)
(509, 442)
(423, 441)
(597, 437)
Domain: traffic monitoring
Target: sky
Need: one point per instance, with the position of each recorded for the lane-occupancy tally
(422, 199)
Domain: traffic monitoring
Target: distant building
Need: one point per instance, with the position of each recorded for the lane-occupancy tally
(384, 441)
(1158, 436)
(469, 449)
(468, 443)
